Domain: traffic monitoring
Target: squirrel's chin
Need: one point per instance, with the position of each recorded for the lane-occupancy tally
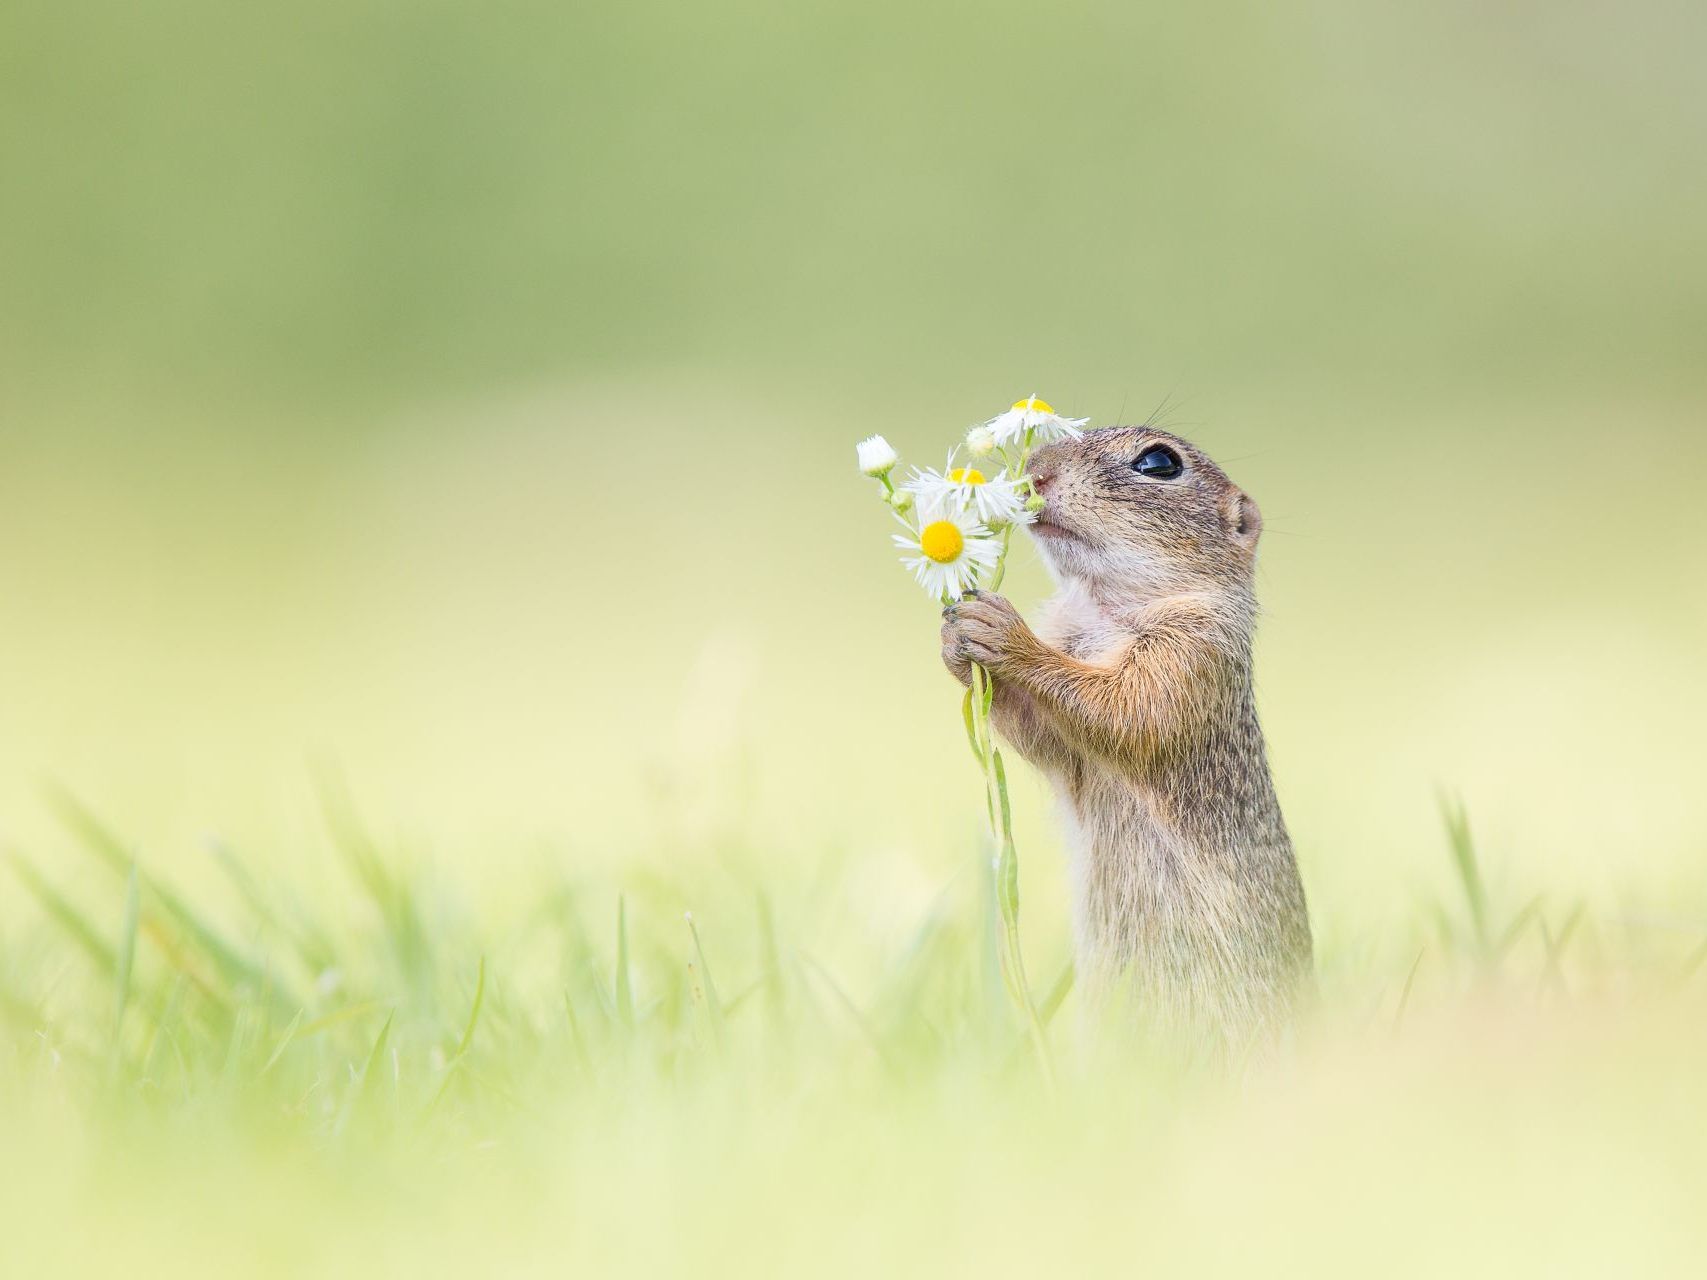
(1066, 554)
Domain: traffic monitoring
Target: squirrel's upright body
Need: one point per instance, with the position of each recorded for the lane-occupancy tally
(1134, 697)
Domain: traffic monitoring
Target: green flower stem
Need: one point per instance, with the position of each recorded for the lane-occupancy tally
(977, 713)
(1001, 569)
(976, 710)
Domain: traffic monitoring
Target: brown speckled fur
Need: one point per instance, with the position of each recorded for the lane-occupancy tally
(1134, 698)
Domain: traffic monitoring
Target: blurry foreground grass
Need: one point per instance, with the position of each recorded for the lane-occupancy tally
(582, 1079)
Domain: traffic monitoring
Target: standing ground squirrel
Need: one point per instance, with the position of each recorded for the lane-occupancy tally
(1134, 698)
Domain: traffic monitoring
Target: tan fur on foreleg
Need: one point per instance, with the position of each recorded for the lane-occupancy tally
(1121, 709)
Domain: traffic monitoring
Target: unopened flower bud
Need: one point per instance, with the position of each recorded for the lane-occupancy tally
(902, 501)
(1035, 503)
(877, 457)
(981, 441)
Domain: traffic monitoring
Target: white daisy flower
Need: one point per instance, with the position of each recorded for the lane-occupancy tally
(996, 502)
(1034, 416)
(1001, 501)
(877, 457)
(948, 550)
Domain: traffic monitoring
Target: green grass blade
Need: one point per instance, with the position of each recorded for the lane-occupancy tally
(770, 964)
(315, 952)
(1405, 991)
(390, 895)
(351, 839)
(474, 1012)
(1057, 993)
(1464, 860)
(739, 1000)
(165, 1025)
(245, 1031)
(237, 969)
(454, 1068)
(1553, 970)
(69, 918)
(713, 1001)
(125, 959)
(1520, 923)
(855, 1015)
(365, 1083)
(348, 1012)
(623, 983)
(248, 888)
(93, 835)
(284, 1043)
(584, 1058)
(1692, 964)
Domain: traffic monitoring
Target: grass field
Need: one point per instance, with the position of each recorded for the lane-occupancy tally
(392, 1076)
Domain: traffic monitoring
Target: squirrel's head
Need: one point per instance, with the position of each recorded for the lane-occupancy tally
(1143, 512)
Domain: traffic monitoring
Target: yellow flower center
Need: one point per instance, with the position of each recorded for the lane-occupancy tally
(942, 541)
(1034, 405)
(966, 475)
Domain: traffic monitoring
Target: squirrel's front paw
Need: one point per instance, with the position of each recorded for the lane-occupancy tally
(954, 655)
(985, 629)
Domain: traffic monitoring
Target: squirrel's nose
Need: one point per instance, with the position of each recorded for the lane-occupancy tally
(1041, 469)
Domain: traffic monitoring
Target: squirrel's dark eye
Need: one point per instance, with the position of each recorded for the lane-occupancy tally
(1158, 463)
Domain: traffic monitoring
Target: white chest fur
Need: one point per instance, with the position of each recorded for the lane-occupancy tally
(1080, 627)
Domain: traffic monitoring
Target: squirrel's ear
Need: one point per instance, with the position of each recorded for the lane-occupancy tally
(1244, 521)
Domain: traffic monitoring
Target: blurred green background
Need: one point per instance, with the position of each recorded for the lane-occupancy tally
(465, 394)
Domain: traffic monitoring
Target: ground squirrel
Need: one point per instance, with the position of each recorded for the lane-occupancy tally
(1134, 699)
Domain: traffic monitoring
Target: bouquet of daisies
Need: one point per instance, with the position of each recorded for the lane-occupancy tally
(959, 524)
